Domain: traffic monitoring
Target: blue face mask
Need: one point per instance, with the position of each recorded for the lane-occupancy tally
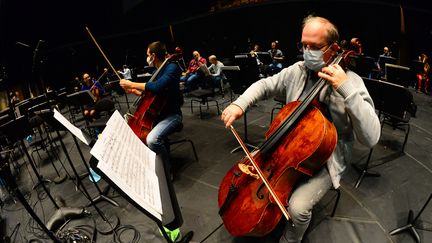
(313, 59)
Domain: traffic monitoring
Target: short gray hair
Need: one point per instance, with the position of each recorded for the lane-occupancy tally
(332, 31)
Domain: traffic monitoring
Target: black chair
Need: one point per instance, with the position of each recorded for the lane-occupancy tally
(176, 139)
(280, 103)
(104, 108)
(232, 74)
(203, 95)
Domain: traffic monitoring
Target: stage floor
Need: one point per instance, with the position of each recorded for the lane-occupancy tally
(364, 214)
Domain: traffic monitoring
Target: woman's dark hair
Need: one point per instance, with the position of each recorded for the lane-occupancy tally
(158, 48)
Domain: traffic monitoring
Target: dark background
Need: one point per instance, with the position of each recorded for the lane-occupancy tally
(125, 28)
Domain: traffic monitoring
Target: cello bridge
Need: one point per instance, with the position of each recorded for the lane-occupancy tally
(247, 169)
(128, 115)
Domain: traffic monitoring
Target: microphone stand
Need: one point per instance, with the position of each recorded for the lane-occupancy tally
(35, 67)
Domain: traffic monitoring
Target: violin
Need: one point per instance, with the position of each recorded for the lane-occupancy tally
(253, 194)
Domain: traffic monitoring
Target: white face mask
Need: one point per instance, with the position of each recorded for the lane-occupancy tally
(313, 59)
(150, 61)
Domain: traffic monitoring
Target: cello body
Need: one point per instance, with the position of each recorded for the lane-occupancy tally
(149, 106)
(303, 151)
(148, 109)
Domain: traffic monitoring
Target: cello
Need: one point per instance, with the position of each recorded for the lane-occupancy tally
(148, 106)
(253, 194)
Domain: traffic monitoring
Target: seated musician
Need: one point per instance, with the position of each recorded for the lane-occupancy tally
(96, 89)
(423, 74)
(350, 108)
(192, 78)
(277, 57)
(166, 83)
(217, 74)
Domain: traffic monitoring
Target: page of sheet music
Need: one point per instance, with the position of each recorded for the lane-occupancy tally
(72, 128)
(129, 164)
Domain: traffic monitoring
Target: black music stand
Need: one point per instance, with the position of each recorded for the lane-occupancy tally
(109, 222)
(31, 111)
(172, 217)
(393, 102)
(17, 130)
(48, 117)
(81, 98)
(411, 222)
(248, 74)
(115, 86)
(6, 174)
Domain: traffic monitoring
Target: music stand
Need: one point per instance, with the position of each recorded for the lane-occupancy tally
(48, 116)
(248, 74)
(264, 57)
(389, 99)
(411, 222)
(6, 174)
(398, 74)
(382, 60)
(111, 221)
(17, 130)
(170, 214)
(81, 98)
(172, 218)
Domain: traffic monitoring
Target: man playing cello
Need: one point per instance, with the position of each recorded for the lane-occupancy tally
(349, 104)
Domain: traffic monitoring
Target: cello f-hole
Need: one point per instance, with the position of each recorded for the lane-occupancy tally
(259, 194)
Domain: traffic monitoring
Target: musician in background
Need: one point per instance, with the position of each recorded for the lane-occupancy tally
(277, 56)
(386, 52)
(349, 105)
(179, 51)
(126, 72)
(424, 75)
(216, 71)
(356, 45)
(192, 78)
(88, 83)
(167, 84)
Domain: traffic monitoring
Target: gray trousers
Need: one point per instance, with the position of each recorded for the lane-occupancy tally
(305, 196)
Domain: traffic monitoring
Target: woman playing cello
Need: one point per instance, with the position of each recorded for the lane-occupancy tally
(349, 105)
(165, 84)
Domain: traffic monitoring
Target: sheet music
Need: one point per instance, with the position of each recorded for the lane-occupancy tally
(129, 164)
(72, 128)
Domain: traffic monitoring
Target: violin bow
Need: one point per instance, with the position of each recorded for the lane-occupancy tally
(260, 173)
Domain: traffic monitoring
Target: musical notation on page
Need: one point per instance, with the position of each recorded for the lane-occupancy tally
(129, 163)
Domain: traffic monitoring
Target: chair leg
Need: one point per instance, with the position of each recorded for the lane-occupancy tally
(192, 106)
(191, 143)
(337, 201)
(217, 106)
(406, 137)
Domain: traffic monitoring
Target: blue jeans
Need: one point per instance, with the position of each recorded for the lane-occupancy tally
(218, 81)
(275, 67)
(305, 196)
(191, 81)
(157, 138)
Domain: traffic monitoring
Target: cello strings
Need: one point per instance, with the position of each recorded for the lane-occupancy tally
(276, 198)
